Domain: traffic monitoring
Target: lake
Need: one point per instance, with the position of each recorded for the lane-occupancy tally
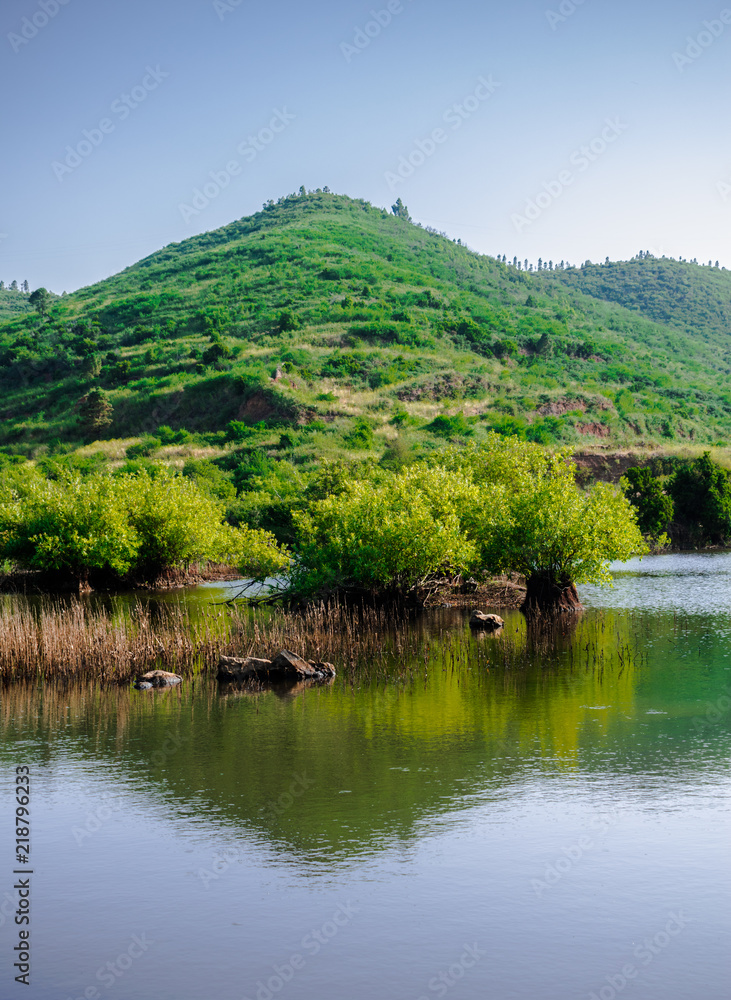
(532, 817)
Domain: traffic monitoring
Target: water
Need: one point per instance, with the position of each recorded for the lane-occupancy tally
(555, 828)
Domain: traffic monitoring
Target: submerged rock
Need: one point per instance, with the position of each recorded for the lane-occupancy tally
(488, 623)
(157, 679)
(285, 665)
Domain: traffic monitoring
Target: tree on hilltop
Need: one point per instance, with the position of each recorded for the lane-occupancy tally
(401, 211)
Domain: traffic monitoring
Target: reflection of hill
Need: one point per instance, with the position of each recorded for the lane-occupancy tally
(341, 769)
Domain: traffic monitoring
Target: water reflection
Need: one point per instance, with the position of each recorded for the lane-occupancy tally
(431, 790)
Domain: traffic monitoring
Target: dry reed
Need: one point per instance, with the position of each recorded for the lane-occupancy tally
(73, 640)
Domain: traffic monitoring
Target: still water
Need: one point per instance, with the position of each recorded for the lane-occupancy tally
(551, 826)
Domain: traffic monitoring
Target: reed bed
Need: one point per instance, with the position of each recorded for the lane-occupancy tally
(74, 640)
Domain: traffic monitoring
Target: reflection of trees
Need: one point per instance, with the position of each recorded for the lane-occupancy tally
(461, 716)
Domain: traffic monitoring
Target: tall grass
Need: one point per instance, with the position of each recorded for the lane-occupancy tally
(74, 640)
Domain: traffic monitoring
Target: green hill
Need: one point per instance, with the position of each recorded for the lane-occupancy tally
(688, 296)
(324, 327)
(13, 303)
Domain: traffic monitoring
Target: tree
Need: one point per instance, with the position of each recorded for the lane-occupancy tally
(13, 286)
(40, 299)
(95, 412)
(385, 539)
(557, 536)
(702, 497)
(653, 505)
(26, 287)
(401, 211)
(533, 519)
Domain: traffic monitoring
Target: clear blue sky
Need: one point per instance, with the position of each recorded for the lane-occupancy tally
(350, 107)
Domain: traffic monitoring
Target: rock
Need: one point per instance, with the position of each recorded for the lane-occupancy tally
(157, 679)
(285, 666)
(288, 664)
(489, 623)
(323, 668)
(235, 668)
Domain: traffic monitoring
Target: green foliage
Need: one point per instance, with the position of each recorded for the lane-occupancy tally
(95, 412)
(702, 498)
(361, 436)
(133, 524)
(505, 506)
(40, 300)
(143, 449)
(384, 538)
(653, 505)
(450, 427)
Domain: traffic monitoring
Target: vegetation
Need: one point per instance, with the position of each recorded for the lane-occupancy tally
(320, 366)
(135, 526)
(321, 312)
(691, 500)
(504, 507)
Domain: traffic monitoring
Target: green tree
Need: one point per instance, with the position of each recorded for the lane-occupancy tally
(702, 497)
(72, 526)
(40, 299)
(384, 539)
(401, 211)
(95, 412)
(533, 519)
(653, 505)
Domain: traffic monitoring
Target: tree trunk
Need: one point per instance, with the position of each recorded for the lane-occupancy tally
(547, 593)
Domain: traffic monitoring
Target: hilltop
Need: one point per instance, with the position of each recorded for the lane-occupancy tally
(322, 326)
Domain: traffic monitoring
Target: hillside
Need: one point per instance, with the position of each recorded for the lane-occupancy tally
(13, 303)
(324, 327)
(681, 294)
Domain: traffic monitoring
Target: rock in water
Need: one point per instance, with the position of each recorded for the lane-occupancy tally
(489, 623)
(157, 679)
(285, 666)
(236, 668)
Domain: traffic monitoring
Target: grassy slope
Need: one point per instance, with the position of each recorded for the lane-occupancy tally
(13, 303)
(389, 319)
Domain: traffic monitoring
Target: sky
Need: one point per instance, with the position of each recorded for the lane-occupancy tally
(536, 128)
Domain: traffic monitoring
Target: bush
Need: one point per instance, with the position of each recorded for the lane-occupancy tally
(384, 538)
(653, 505)
(137, 525)
(455, 426)
(361, 436)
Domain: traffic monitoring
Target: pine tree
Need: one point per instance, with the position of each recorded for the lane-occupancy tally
(400, 210)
